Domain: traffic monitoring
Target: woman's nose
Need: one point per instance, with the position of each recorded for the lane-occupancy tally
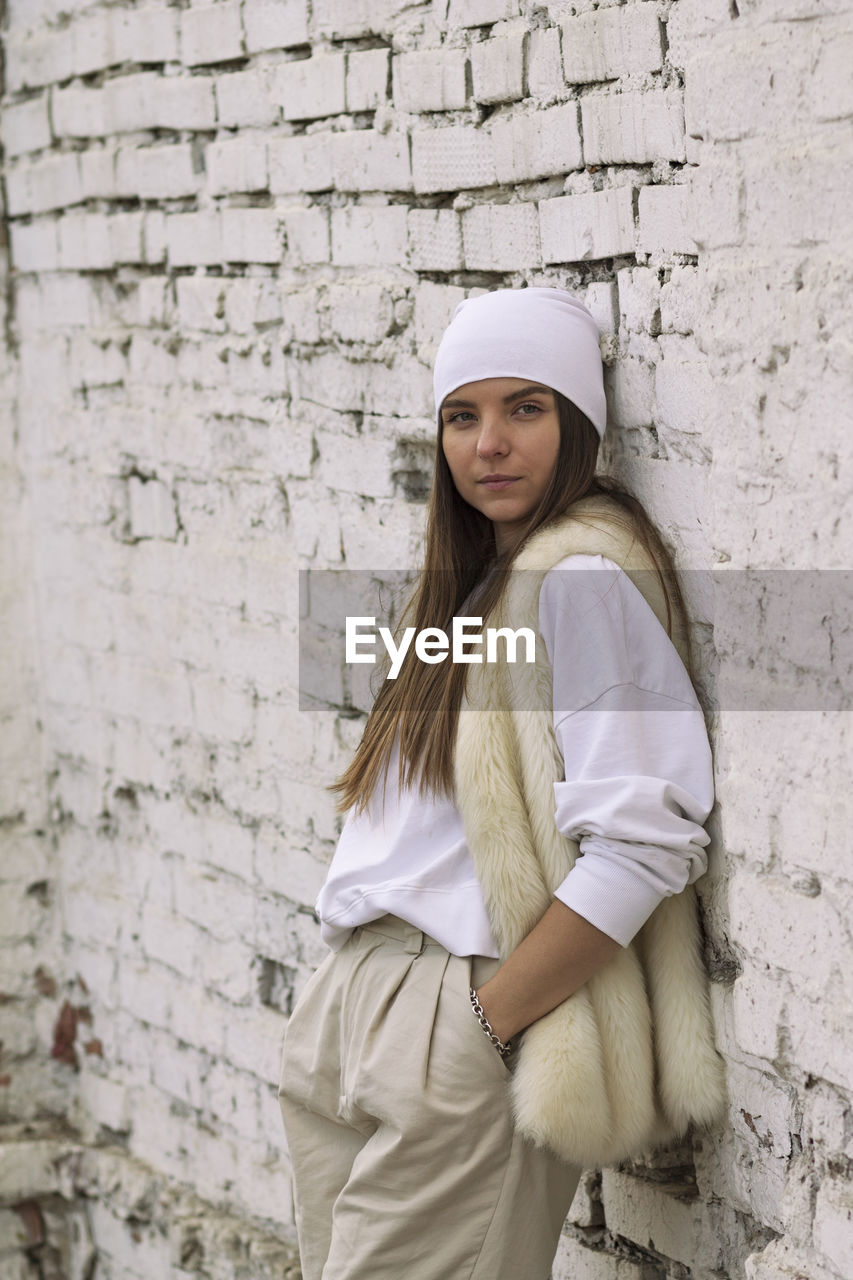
(492, 440)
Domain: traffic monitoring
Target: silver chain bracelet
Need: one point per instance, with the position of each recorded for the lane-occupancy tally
(503, 1049)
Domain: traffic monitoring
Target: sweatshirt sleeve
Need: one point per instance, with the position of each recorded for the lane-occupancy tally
(638, 773)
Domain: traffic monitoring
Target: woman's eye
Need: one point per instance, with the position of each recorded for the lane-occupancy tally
(529, 410)
(463, 416)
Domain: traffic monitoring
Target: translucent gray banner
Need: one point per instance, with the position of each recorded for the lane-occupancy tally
(779, 639)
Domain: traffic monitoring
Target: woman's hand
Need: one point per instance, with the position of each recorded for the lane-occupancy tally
(556, 958)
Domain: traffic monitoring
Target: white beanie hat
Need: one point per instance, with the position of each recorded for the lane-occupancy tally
(542, 334)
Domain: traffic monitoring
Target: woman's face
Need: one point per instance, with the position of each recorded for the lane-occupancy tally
(501, 437)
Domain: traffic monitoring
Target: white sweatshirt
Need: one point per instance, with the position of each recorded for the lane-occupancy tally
(638, 784)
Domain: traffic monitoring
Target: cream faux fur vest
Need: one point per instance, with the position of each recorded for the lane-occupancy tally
(628, 1061)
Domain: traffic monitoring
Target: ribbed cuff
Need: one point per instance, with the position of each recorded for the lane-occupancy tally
(612, 898)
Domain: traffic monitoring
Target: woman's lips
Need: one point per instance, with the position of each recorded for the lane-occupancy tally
(499, 482)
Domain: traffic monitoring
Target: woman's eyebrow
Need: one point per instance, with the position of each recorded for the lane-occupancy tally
(533, 389)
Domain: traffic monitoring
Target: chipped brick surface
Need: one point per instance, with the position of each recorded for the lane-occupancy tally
(234, 231)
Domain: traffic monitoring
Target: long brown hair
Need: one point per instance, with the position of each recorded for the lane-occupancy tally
(422, 704)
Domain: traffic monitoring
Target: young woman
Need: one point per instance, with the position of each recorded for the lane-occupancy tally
(515, 987)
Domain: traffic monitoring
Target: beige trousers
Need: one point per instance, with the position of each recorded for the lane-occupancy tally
(396, 1111)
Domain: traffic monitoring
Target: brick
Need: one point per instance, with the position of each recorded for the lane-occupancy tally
(375, 236)
(306, 236)
(685, 390)
(151, 101)
(768, 81)
(252, 235)
(211, 33)
(51, 183)
(714, 215)
(193, 239)
(639, 299)
(609, 43)
(576, 1261)
(480, 13)
(361, 466)
(26, 126)
(243, 99)
(538, 144)
(662, 221)
(144, 34)
(78, 112)
(371, 161)
(665, 1220)
(454, 159)
(238, 164)
(37, 58)
(501, 237)
(200, 301)
(434, 307)
(833, 1224)
(157, 173)
(430, 80)
(497, 68)
(35, 247)
(363, 313)
(633, 127)
(92, 44)
(367, 79)
(346, 19)
(84, 242)
(154, 236)
(312, 88)
(302, 163)
(545, 79)
(601, 301)
(830, 87)
(152, 509)
(126, 237)
(275, 24)
(796, 196)
(435, 240)
(803, 933)
(598, 224)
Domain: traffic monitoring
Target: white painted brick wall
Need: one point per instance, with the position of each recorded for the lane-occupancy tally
(449, 159)
(537, 145)
(313, 88)
(497, 67)
(149, 101)
(371, 161)
(369, 236)
(609, 43)
(274, 24)
(662, 224)
(545, 78)
(26, 125)
(144, 34)
(501, 237)
(580, 228)
(301, 164)
(633, 127)
(367, 79)
(243, 99)
(227, 288)
(238, 164)
(157, 173)
(430, 80)
(211, 33)
(475, 13)
(435, 240)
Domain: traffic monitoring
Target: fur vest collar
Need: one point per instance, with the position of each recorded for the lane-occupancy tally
(627, 1062)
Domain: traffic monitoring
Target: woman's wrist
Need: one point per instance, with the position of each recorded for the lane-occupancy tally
(490, 1003)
